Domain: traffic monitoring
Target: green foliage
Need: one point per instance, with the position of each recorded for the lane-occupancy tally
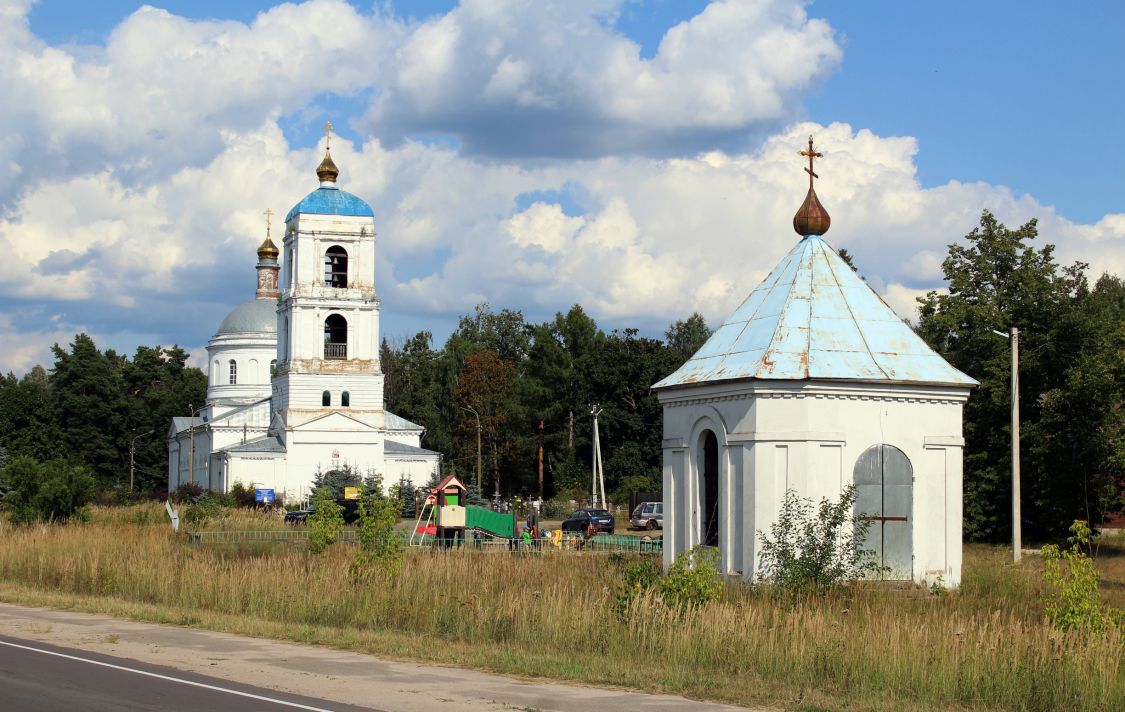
(202, 510)
(335, 480)
(1073, 601)
(52, 491)
(687, 336)
(813, 550)
(242, 495)
(692, 581)
(380, 552)
(325, 522)
(1072, 376)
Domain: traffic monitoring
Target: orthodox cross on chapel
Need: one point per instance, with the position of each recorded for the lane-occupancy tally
(811, 217)
(269, 214)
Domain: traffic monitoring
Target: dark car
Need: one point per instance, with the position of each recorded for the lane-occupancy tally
(581, 520)
(350, 513)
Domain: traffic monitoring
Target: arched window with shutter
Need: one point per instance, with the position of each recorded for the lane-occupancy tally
(326, 399)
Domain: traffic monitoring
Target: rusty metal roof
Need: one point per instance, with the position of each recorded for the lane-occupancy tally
(814, 318)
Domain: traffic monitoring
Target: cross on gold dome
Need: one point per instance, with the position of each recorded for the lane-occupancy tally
(269, 214)
(812, 154)
(328, 135)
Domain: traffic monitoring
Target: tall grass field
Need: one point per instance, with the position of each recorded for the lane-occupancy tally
(985, 647)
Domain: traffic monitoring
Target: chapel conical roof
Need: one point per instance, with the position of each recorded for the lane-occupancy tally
(813, 317)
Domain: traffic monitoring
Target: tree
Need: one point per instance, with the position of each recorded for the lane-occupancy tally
(335, 480)
(687, 336)
(997, 280)
(52, 491)
(486, 387)
(847, 258)
(87, 388)
(380, 551)
(27, 415)
(325, 522)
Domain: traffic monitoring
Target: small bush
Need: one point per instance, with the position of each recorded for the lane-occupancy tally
(202, 511)
(243, 496)
(380, 552)
(1073, 601)
(692, 581)
(812, 552)
(187, 493)
(325, 522)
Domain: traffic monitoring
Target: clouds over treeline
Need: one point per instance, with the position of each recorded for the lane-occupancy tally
(133, 175)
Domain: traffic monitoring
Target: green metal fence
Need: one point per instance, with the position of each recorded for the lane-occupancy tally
(606, 543)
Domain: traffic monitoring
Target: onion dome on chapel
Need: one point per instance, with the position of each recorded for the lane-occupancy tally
(811, 217)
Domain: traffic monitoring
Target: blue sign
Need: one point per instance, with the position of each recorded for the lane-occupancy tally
(263, 496)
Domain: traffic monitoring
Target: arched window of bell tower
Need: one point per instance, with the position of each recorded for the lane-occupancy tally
(335, 337)
(233, 372)
(336, 267)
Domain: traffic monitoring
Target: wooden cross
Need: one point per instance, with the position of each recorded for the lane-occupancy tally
(328, 135)
(812, 154)
(268, 214)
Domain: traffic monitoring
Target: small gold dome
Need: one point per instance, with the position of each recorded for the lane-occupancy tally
(327, 170)
(267, 250)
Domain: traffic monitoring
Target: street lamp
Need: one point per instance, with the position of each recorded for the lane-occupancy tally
(1014, 338)
(473, 410)
(132, 453)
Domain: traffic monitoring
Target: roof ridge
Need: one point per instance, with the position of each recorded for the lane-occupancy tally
(848, 306)
(785, 305)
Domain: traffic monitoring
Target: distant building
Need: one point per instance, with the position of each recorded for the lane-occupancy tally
(294, 380)
(812, 384)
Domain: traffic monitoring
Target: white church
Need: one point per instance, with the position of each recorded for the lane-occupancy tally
(812, 384)
(294, 382)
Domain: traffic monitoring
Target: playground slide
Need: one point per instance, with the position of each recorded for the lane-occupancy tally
(489, 522)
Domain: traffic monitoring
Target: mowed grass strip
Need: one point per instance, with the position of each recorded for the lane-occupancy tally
(985, 647)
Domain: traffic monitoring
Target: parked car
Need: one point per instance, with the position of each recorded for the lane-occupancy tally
(648, 515)
(301, 516)
(581, 520)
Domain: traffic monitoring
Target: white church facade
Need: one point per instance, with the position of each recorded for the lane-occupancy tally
(294, 379)
(812, 384)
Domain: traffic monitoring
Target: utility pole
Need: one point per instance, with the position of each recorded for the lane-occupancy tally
(598, 470)
(132, 453)
(473, 410)
(1017, 543)
(540, 459)
(191, 447)
(1017, 538)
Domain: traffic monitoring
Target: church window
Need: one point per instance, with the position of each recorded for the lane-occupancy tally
(335, 337)
(346, 399)
(336, 267)
(233, 372)
(326, 399)
(273, 368)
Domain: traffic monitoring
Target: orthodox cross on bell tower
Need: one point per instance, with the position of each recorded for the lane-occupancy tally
(328, 134)
(269, 214)
(812, 154)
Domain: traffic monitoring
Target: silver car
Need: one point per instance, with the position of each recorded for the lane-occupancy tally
(648, 515)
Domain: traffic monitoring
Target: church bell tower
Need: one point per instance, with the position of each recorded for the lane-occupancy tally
(328, 329)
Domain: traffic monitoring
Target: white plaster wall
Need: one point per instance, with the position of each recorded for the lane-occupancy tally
(807, 436)
(415, 468)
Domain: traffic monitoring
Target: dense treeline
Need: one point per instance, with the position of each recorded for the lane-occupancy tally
(508, 375)
(512, 376)
(91, 406)
(1072, 380)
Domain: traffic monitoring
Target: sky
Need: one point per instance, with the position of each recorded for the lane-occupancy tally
(638, 157)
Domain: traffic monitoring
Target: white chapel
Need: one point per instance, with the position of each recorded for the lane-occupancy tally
(812, 384)
(294, 382)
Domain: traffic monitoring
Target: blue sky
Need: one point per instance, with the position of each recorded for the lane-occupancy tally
(518, 174)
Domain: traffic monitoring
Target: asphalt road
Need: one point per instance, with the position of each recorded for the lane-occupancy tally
(37, 677)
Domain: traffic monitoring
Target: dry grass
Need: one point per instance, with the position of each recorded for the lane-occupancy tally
(985, 647)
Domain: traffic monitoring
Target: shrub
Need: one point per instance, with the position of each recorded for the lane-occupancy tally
(51, 491)
(243, 496)
(202, 510)
(1073, 601)
(379, 551)
(812, 552)
(187, 492)
(692, 581)
(325, 522)
(335, 480)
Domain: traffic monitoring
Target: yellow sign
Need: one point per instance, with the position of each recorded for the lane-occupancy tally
(351, 493)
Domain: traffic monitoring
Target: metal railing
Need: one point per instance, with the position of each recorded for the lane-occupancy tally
(335, 351)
